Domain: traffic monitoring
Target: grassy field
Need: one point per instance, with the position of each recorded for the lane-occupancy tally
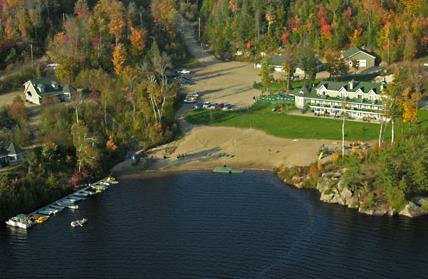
(290, 126)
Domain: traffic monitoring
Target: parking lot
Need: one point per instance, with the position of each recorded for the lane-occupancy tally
(217, 81)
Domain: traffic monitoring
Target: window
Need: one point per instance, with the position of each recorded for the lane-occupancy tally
(29, 94)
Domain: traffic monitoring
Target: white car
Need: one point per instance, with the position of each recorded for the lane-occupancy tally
(425, 64)
(194, 95)
(227, 107)
(206, 105)
(183, 71)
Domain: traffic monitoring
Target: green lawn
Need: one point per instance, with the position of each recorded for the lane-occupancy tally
(291, 126)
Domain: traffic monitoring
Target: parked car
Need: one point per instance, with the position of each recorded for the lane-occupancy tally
(183, 71)
(425, 64)
(197, 106)
(189, 101)
(219, 106)
(206, 105)
(195, 95)
(227, 107)
(212, 106)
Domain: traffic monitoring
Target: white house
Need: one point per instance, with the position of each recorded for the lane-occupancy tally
(359, 100)
(277, 62)
(15, 154)
(37, 89)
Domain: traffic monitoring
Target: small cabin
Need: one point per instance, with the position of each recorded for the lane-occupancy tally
(36, 90)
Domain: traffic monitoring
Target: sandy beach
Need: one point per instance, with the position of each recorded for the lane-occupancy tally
(204, 148)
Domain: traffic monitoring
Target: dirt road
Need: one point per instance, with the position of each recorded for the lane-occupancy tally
(218, 81)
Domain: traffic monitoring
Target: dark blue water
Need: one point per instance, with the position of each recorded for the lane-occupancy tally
(200, 225)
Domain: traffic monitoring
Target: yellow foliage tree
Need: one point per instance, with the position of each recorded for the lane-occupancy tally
(138, 40)
(119, 58)
(409, 103)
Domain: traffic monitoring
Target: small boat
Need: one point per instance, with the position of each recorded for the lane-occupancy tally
(41, 219)
(98, 191)
(227, 170)
(73, 206)
(81, 194)
(78, 222)
(57, 207)
(20, 221)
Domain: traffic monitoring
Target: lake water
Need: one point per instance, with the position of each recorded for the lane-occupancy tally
(201, 225)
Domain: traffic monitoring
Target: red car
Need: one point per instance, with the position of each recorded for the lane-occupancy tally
(219, 106)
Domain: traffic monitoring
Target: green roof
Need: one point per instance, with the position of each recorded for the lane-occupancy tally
(51, 86)
(363, 85)
(351, 51)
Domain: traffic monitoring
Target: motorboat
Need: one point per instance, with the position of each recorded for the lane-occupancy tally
(78, 223)
(73, 206)
(20, 221)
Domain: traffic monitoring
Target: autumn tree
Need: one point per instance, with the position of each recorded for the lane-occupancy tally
(164, 13)
(18, 111)
(138, 41)
(335, 64)
(119, 58)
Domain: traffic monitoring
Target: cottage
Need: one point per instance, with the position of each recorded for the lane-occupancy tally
(359, 100)
(364, 59)
(277, 62)
(15, 154)
(36, 90)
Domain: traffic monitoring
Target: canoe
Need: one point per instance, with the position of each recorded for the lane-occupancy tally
(227, 170)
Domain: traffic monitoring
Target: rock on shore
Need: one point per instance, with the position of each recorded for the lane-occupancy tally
(332, 190)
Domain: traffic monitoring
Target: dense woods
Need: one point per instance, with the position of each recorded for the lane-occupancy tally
(395, 30)
(119, 55)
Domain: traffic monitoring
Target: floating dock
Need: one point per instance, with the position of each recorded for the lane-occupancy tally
(227, 170)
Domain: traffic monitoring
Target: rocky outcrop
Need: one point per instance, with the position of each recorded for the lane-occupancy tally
(412, 210)
(332, 190)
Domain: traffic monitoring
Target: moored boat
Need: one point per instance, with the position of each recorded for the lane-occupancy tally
(20, 221)
(73, 206)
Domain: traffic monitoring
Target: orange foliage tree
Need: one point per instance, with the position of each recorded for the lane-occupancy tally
(119, 58)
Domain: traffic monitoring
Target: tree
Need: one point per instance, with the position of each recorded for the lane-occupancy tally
(18, 111)
(308, 60)
(164, 13)
(119, 58)
(335, 63)
(391, 101)
(410, 47)
(266, 73)
(88, 155)
(138, 41)
(290, 63)
(117, 22)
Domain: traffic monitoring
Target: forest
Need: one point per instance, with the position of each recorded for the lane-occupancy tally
(119, 55)
(394, 30)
